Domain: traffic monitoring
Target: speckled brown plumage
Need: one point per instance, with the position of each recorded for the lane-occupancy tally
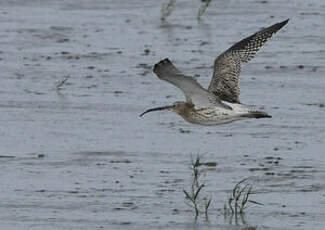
(225, 80)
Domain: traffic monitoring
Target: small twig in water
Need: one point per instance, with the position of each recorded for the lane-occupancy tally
(61, 83)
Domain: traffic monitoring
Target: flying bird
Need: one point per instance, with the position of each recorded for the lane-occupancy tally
(220, 103)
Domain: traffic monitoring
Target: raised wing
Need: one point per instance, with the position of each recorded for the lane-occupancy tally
(225, 79)
(194, 92)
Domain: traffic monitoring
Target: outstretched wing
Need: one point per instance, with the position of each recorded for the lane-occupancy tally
(194, 92)
(225, 79)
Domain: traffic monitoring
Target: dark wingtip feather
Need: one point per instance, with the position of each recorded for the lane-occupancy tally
(160, 64)
(274, 28)
(285, 21)
(163, 62)
(282, 24)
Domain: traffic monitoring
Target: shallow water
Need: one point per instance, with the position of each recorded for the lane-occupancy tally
(81, 158)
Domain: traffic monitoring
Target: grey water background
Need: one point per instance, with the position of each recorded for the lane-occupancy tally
(81, 158)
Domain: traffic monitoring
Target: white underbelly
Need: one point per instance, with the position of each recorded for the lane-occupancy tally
(219, 115)
(238, 108)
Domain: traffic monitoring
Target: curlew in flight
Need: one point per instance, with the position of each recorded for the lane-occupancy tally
(220, 103)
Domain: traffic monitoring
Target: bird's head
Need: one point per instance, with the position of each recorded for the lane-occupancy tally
(179, 107)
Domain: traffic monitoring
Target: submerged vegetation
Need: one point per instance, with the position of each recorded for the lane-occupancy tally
(192, 197)
(239, 198)
(168, 8)
(234, 206)
(205, 4)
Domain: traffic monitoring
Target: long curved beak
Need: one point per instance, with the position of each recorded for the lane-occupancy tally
(156, 109)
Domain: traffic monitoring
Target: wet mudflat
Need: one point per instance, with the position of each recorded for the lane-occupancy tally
(81, 158)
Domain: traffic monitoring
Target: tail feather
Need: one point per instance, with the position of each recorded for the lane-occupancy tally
(257, 115)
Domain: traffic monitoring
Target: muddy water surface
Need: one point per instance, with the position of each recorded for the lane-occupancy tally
(81, 158)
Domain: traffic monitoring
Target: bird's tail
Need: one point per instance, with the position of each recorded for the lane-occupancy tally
(257, 114)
